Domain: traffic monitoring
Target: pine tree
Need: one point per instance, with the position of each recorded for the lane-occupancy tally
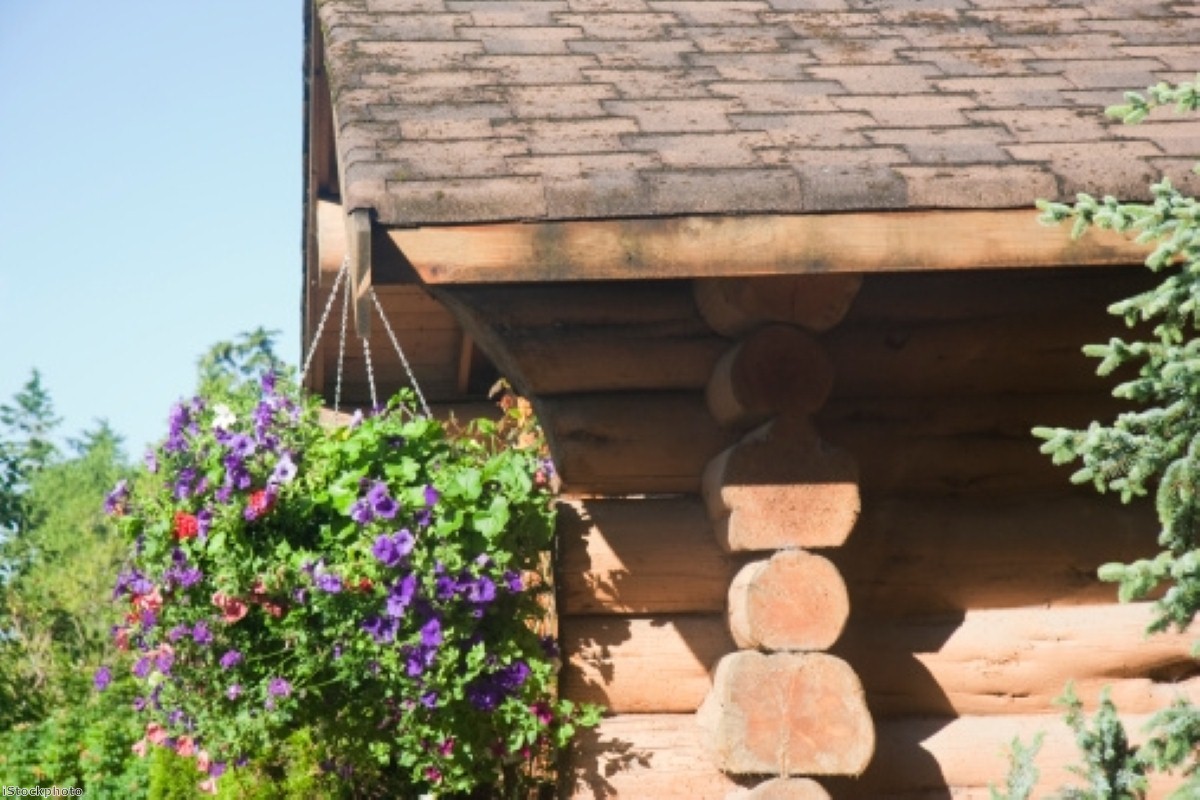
(26, 447)
(1152, 450)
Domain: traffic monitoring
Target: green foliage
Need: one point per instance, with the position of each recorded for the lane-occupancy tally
(59, 568)
(1022, 772)
(1112, 769)
(84, 743)
(26, 428)
(233, 367)
(1153, 450)
(374, 587)
(1156, 448)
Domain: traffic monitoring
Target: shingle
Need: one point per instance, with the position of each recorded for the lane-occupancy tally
(477, 110)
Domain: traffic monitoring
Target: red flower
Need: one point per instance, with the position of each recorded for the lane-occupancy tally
(186, 526)
(260, 503)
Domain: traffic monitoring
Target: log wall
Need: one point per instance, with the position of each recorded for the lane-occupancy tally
(898, 456)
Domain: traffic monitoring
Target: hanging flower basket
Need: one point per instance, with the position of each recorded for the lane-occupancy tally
(378, 585)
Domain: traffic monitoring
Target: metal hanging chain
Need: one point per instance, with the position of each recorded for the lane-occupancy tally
(400, 352)
(366, 346)
(316, 340)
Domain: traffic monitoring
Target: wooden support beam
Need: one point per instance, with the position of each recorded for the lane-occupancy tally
(598, 337)
(358, 240)
(663, 756)
(702, 247)
(792, 601)
(787, 714)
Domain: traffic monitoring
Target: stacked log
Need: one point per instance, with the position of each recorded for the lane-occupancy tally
(715, 546)
(972, 570)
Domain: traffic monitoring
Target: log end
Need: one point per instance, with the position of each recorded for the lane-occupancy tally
(793, 601)
(787, 714)
(778, 369)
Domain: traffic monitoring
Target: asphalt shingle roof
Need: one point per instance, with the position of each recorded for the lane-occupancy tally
(470, 111)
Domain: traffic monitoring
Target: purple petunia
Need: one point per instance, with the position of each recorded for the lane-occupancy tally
(431, 496)
(328, 582)
(177, 633)
(141, 667)
(513, 581)
(381, 502)
(278, 687)
(102, 678)
(382, 630)
(234, 691)
(183, 483)
(285, 470)
(391, 550)
(231, 659)
(400, 595)
(431, 633)
(201, 634)
(481, 591)
(362, 512)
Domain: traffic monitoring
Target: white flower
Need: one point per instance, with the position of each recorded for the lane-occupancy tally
(224, 418)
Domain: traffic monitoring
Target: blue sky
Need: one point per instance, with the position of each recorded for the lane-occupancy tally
(150, 196)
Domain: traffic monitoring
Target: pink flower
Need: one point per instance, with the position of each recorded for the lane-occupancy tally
(139, 748)
(185, 746)
(232, 609)
(208, 786)
(156, 733)
(148, 602)
(203, 760)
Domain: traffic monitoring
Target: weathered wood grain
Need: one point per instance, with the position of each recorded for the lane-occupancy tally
(694, 247)
(778, 369)
(656, 664)
(646, 556)
(921, 555)
(1019, 660)
(733, 306)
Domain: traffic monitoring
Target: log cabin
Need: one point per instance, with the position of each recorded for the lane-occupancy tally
(770, 273)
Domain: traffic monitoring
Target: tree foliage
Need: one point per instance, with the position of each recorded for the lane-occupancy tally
(27, 425)
(59, 556)
(1154, 450)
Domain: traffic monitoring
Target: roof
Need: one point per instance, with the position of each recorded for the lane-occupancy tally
(476, 111)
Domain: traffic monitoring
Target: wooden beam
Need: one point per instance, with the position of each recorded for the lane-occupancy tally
(645, 755)
(358, 237)
(642, 665)
(1019, 660)
(624, 557)
(708, 247)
